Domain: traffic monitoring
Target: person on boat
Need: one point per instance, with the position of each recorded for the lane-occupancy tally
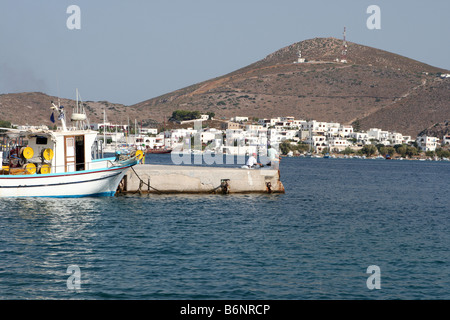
(252, 162)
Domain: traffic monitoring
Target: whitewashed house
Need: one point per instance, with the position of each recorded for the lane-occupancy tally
(345, 130)
(361, 137)
(318, 142)
(148, 131)
(338, 144)
(239, 119)
(446, 139)
(395, 138)
(407, 139)
(427, 143)
(315, 126)
(379, 135)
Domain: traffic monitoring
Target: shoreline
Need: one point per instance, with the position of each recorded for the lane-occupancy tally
(334, 156)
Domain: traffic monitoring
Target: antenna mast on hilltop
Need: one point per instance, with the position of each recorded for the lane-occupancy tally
(300, 59)
(344, 48)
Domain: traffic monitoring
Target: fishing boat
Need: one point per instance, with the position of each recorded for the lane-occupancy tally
(61, 163)
(159, 150)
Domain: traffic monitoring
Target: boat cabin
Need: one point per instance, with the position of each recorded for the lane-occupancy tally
(44, 151)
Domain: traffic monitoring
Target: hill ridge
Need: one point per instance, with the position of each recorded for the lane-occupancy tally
(376, 87)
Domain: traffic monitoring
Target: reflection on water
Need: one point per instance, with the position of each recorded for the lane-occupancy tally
(40, 238)
(58, 219)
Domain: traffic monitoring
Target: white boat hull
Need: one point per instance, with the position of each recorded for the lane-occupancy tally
(98, 182)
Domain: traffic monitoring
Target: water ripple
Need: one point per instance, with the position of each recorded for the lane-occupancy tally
(314, 242)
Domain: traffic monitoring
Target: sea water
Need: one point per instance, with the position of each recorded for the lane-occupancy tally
(337, 218)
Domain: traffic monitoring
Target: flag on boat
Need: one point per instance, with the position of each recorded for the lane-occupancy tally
(52, 118)
(61, 113)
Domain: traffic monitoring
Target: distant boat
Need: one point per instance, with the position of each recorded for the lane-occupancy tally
(326, 155)
(388, 157)
(159, 151)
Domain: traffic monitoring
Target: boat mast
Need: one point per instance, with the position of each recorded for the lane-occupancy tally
(310, 140)
(104, 127)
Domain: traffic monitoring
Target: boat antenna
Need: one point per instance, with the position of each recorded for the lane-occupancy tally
(57, 88)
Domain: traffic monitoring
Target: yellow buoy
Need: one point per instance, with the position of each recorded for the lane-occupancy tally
(30, 168)
(27, 152)
(139, 154)
(45, 169)
(47, 154)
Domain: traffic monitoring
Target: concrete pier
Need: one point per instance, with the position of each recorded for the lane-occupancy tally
(147, 178)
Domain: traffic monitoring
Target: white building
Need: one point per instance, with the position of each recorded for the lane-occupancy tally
(333, 129)
(264, 122)
(109, 126)
(427, 143)
(315, 126)
(276, 136)
(361, 137)
(395, 138)
(297, 124)
(338, 144)
(148, 131)
(318, 142)
(209, 135)
(239, 119)
(345, 130)
(446, 139)
(379, 135)
(176, 136)
(269, 122)
(287, 119)
(254, 127)
(407, 139)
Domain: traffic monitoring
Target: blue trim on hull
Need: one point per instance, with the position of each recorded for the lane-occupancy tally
(94, 195)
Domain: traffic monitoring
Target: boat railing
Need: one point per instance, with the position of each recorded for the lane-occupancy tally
(46, 168)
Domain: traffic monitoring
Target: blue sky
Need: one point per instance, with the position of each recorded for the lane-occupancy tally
(130, 51)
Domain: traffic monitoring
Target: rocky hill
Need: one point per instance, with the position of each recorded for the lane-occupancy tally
(437, 130)
(378, 88)
(33, 108)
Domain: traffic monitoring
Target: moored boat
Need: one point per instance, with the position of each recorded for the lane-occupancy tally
(64, 163)
(160, 150)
